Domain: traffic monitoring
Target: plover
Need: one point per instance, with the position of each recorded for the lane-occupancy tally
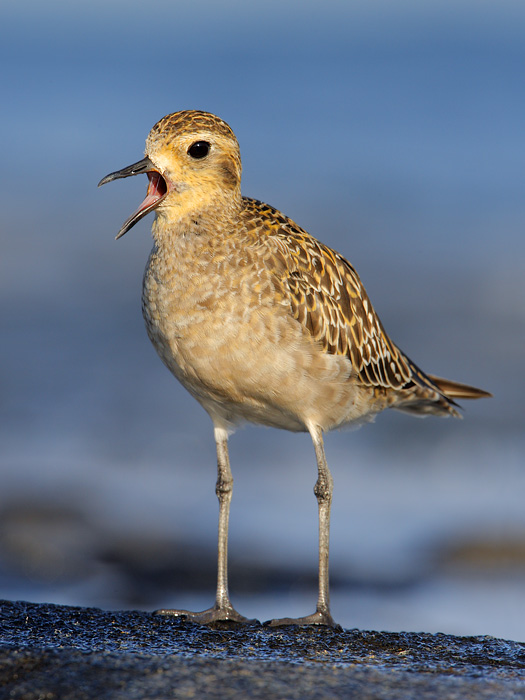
(260, 321)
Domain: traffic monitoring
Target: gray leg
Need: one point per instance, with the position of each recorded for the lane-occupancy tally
(323, 492)
(223, 609)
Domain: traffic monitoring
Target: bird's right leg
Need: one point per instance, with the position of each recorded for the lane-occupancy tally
(223, 610)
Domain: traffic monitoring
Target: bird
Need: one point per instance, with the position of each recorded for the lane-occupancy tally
(261, 323)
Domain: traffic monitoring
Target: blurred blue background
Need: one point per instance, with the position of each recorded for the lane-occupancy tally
(391, 131)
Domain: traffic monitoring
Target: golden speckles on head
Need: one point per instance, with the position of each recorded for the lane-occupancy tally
(189, 121)
(198, 155)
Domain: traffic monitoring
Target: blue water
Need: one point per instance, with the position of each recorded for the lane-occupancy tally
(394, 135)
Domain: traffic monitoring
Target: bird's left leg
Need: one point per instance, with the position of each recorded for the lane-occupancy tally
(323, 492)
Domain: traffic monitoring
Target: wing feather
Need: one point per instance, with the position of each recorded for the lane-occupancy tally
(327, 297)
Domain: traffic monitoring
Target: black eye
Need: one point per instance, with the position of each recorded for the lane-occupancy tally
(199, 149)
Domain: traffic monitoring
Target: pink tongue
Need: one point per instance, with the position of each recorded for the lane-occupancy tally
(153, 194)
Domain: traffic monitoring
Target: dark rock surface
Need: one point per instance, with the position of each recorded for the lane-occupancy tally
(50, 652)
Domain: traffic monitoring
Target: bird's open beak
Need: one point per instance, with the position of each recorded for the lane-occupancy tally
(157, 190)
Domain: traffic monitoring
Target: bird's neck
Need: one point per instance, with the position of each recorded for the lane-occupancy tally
(190, 215)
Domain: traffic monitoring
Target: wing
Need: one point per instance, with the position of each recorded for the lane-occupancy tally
(328, 298)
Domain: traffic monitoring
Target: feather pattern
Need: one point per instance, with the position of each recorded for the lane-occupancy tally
(327, 297)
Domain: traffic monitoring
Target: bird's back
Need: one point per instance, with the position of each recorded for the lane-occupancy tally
(326, 296)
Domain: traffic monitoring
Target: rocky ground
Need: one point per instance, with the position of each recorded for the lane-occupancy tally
(57, 652)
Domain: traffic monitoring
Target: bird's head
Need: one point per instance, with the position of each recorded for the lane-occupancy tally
(192, 161)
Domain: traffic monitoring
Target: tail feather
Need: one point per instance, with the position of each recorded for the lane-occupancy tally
(435, 395)
(456, 390)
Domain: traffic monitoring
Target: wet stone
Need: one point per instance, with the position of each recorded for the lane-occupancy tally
(59, 652)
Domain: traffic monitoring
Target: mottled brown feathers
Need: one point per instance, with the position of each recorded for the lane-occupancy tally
(327, 297)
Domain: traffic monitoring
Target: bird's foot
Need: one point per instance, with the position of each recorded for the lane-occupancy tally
(320, 618)
(216, 616)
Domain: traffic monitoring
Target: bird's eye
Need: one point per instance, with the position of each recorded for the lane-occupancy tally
(199, 149)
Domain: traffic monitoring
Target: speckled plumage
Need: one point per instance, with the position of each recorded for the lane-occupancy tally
(259, 320)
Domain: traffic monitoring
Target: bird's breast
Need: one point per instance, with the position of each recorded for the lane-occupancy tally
(224, 329)
(204, 310)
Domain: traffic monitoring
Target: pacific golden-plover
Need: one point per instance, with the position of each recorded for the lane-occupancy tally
(261, 322)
